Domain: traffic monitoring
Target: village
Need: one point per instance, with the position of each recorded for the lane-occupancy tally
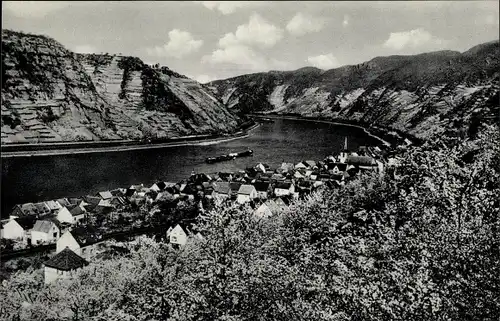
(79, 226)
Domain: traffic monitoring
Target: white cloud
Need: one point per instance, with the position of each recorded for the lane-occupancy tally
(240, 55)
(411, 39)
(228, 7)
(85, 49)
(325, 62)
(33, 9)
(245, 58)
(345, 23)
(302, 24)
(181, 43)
(256, 32)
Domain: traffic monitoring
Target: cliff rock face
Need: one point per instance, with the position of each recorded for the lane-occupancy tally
(50, 94)
(424, 95)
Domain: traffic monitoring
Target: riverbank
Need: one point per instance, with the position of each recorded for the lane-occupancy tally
(388, 137)
(97, 147)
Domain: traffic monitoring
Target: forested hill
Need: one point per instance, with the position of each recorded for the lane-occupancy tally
(424, 95)
(51, 94)
(421, 243)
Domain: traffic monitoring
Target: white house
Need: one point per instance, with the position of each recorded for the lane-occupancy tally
(45, 231)
(283, 189)
(177, 235)
(18, 228)
(71, 214)
(63, 265)
(13, 230)
(269, 208)
(80, 240)
(260, 168)
(246, 193)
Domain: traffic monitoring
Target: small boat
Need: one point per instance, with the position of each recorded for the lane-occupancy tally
(231, 156)
(267, 120)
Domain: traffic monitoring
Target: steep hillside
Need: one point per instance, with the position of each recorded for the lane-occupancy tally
(424, 95)
(51, 94)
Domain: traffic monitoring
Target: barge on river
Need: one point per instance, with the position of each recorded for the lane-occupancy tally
(230, 156)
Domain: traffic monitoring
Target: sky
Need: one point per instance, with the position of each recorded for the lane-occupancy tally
(208, 40)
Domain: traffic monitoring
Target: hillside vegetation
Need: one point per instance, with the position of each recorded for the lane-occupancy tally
(51, 94)
(425, 95)
(419, 243)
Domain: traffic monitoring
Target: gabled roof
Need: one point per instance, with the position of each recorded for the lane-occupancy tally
(41, 207)
(222, 188)
(75, 200)
(53, 205)
(43, 226)
(235, 186)
(85, 235)
(361, 161)
(26, 222)
(92, 199)
(105, 195)
(283, 185)
(246, 189)
(66, 260)
(261, 186)
(177, 230)
(309, 163)
(75, 210)
(161, 185)
(63, 201)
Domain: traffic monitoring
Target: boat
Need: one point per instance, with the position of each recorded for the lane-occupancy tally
(230, 156)
(267, 120)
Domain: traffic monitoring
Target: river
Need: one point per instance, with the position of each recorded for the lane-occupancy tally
(40, 178)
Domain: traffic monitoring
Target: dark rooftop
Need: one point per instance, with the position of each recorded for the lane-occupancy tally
(66, 260)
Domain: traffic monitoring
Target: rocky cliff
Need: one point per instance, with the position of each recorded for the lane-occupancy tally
(52, 94)
(423, 95)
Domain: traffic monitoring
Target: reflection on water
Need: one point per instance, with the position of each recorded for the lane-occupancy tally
(32, 179)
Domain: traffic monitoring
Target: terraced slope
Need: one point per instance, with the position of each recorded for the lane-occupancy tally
(51, 94)
(424, 95)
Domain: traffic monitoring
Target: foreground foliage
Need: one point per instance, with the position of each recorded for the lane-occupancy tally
(421, 244)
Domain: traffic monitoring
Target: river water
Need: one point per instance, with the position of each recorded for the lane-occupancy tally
(40, 178)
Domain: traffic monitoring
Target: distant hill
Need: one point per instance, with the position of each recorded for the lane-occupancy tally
(52, 94)
(424, 95)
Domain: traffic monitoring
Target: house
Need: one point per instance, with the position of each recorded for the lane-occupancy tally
(226, 177)
(362, 162)
(300, 165)
(246, 193)
(63, 202)
(157, 187)
(310, 164)
(269, 208)
(235, 187)
(262, 189)
(19, 228)
(24, 210)
(284, 188)
(81, 240)
(45, 231)
(177, 235)
(286, 168)
(106, 195)
(63, 265)
(53, 206)
(222, 190)
(71, 214)
(277, 177)
(260, 168)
